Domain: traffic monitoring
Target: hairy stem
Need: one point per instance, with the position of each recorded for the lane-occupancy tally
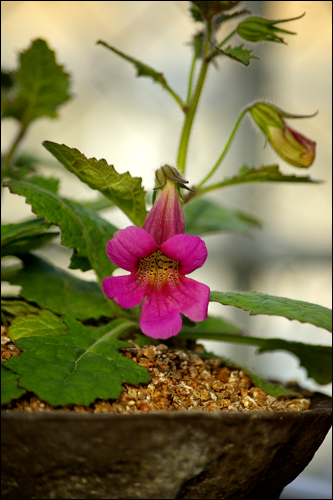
(193, 104)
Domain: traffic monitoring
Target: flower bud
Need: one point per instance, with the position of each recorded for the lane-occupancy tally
(255, 29)
(290, 145)
(166, 218)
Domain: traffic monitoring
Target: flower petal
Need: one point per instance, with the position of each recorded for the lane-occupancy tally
(190, 251)
(166, 217)
(124, 290)
(128, 246)
(190, 296)
(160, 318)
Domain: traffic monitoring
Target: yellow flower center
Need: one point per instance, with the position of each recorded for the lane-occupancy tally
(158, 268)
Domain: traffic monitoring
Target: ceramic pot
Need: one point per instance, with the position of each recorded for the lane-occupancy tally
(181, 454)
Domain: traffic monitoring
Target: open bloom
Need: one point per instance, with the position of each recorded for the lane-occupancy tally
(158, 260)
(290, 145)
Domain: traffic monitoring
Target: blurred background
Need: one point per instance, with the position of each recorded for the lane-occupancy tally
(135, 126)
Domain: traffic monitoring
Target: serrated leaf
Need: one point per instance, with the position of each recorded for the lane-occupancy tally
(145, 70)
(60, 292)
(17, 307)
(101, 203)
(269, 173)
(9, 386)
(203, 216)
(49, 183)
(41, 85)
(236, 53)
(261, 303)
(32, 325)
(265, 173)
(10, 232)
(316, 359)
(123, 190)
(78, 367)
(81, 229)
(17, 239)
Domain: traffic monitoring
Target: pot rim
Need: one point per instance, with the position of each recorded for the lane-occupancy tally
(320, 404)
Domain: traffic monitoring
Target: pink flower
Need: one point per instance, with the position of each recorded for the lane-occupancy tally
(158, 257)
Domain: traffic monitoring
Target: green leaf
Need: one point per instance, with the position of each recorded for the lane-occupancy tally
(203, 216)
(17, 239)
(123, 190)
(32, 325)
(101, 203)
(81, 229)
(41, 85)
(49, 183)
(60, 292)
(9, 386)
(78, 367)
(269, 173)
(145, 70)
(237, 53)
(316, 359)
(17, 307)
(261, 303)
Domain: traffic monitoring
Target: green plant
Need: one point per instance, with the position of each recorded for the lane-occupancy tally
(67, 328)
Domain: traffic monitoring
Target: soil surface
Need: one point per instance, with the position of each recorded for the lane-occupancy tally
(180, 380)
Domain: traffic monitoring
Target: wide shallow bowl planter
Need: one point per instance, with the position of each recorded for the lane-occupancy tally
(181, 454)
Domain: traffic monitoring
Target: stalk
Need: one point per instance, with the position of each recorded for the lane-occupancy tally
(192, 107)
(224, 152)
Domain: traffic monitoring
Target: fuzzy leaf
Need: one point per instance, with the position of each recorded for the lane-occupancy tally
(9, 386)
(60, 292)
(78, 367)
(32, 325)
(81, 229)
(17, 239)
(269, 173)
(17, 307)
(123, 190)
(48, 183)
(316, 359)
(203, 216)
(237, 53)
(41, 85)
(145, 70)
(261, 303)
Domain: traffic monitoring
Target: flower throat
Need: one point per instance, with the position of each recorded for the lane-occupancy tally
(158, 268)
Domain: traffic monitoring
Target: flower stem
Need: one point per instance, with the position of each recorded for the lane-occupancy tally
(190, 82)
(222, 155)
(6, 167)
(192, 107)
(226, 39)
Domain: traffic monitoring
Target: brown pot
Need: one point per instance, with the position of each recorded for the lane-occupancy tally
(181, 454)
